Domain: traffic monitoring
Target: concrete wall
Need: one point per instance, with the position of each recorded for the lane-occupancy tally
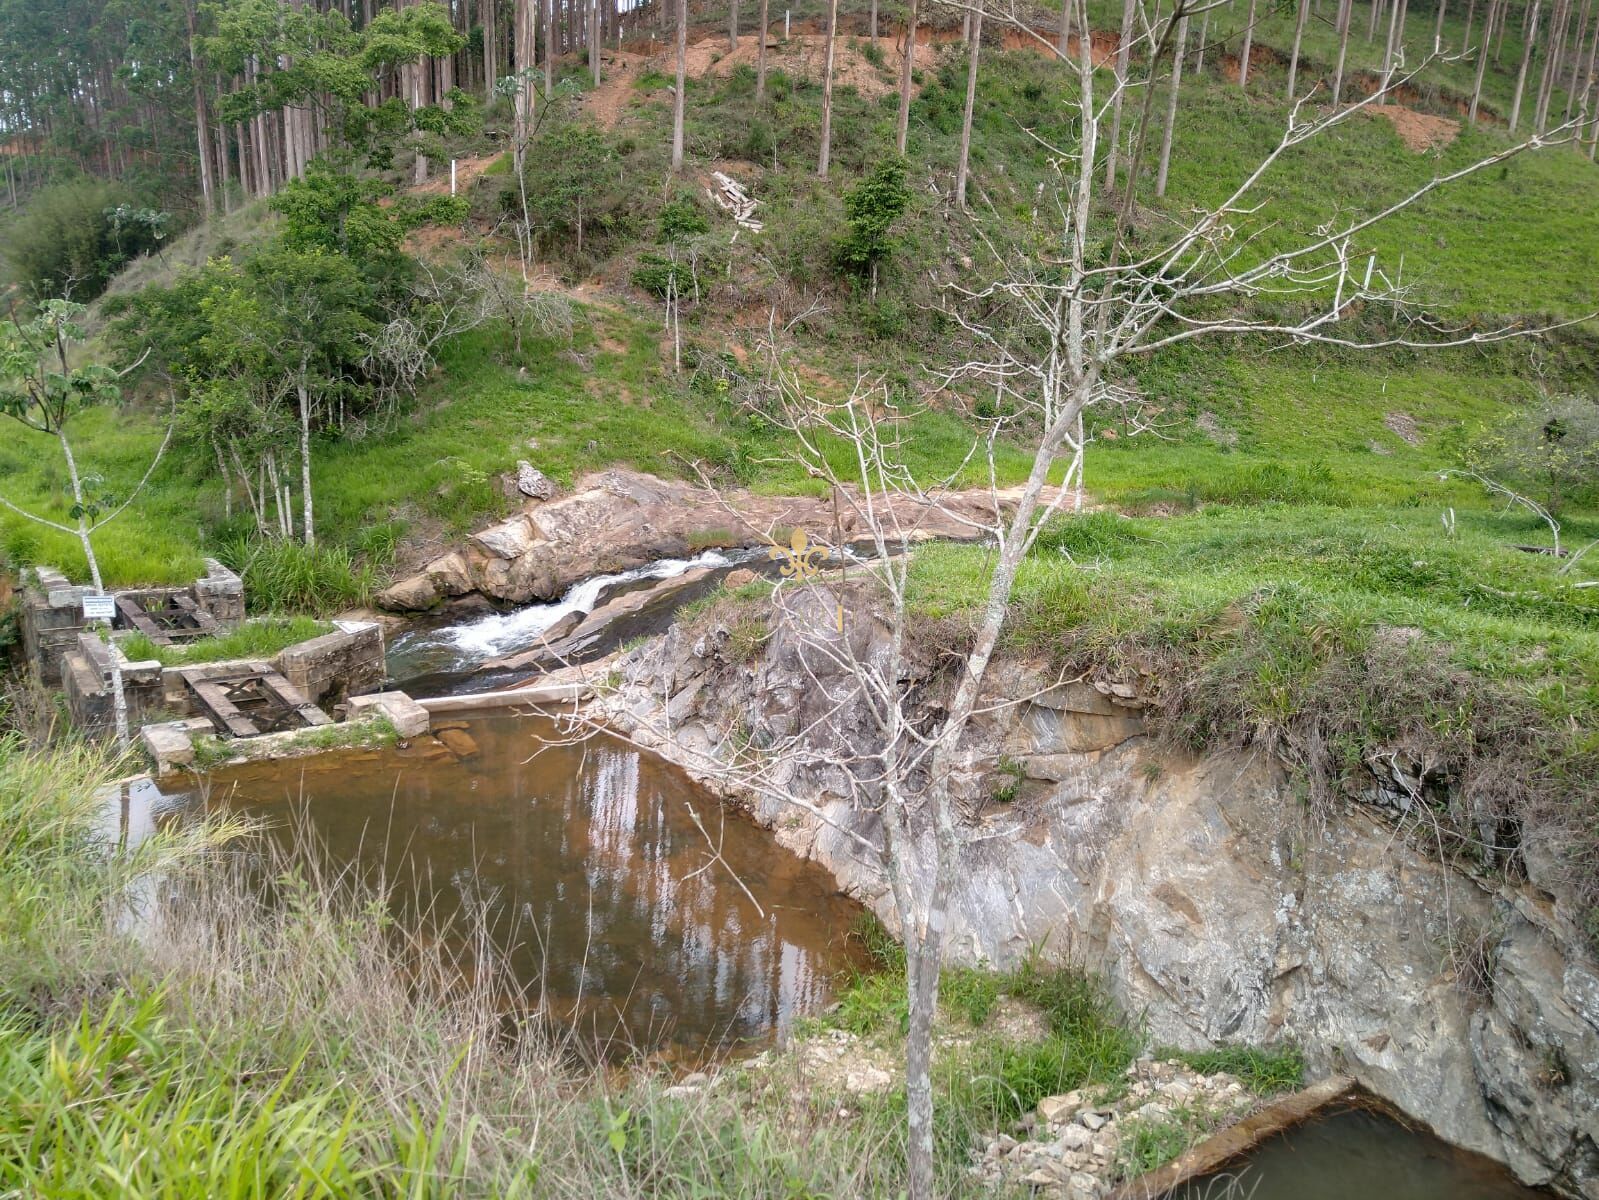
(86, 683)
(347, 662)
(52, 611)
(51, 619)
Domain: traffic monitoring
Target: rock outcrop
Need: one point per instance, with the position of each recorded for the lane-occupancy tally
(1214, 903)
(618, 520)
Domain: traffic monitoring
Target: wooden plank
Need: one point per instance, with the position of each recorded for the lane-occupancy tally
(135, 616)
(211, 693)
(204, 621)
(287, 692)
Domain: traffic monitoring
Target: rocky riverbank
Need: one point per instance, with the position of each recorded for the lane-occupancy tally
(618, 520)
(1200, 887)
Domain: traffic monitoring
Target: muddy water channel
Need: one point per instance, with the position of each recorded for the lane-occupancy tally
(603, 895)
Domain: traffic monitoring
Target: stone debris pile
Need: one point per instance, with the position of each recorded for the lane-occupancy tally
(1071, 1146)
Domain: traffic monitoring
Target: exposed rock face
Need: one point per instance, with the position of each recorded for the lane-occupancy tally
(618, 520)
(1211, 900)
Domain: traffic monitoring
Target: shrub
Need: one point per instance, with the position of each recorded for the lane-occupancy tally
(1550, 450)
(75, 236)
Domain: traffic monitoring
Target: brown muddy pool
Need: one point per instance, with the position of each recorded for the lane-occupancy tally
(622, 918)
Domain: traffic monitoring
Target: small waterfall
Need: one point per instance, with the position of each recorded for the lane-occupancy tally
(447, 650)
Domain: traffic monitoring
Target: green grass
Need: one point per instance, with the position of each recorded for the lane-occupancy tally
(1263, 1072)
(1321, 634)
(258, 638)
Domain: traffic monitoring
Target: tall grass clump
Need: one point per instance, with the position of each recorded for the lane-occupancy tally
(290, 577)
(260, 638)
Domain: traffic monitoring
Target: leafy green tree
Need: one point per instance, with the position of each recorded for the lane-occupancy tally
(73, 237)
(872, 207)
(43, 391)
(290, 326)
(338, 213)
(1551, 448)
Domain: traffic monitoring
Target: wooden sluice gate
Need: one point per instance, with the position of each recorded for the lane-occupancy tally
(179, 619)
(252, 700)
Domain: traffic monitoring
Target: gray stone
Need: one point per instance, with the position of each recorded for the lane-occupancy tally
(532, 482)
(1197, 887)
(1056, 1109)
(509, 539)
(408, 717)
(169, 746)
(1075, 1137)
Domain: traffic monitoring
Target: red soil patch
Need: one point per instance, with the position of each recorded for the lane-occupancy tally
(1419, 131)
(466, 172)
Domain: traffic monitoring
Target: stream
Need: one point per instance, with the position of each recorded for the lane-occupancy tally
(444, 656)
(599, 891)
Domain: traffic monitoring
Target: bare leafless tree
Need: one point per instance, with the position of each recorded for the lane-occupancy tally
(827, 92)
(907, 67)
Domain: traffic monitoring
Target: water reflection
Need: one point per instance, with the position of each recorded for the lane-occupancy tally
(597, 885)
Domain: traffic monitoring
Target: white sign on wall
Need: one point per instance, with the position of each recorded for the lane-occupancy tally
(99, 608)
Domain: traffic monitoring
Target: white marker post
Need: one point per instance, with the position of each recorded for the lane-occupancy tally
(452, 177)
(100, 607)
(785, 24)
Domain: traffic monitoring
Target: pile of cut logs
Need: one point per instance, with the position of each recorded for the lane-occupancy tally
(730, 194)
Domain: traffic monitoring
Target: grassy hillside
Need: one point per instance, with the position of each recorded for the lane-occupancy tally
(1240, 423)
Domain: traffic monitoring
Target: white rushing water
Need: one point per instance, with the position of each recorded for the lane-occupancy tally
(501, 633)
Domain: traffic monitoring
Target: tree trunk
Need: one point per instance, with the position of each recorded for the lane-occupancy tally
(1293, 58)
(1526, 58)
(1345, 12)
(491, 71)
(522, 53)
(307, 522)
(732, 25)
(902, 129)
(1204, 34)
(760, 55)
(827, 91)
(677, 95)
(1243, 55)
(1573, 86)
(1494, 7)
(1438, 26)
(1171, 100)
(973, 50)
(594, 40)
(1124, 51)
(872, 20)
(922, 955)
(1065, 26)
(119, 699)
(201, 128)
(1554, 42)
(1395, 31)
(547, 7)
